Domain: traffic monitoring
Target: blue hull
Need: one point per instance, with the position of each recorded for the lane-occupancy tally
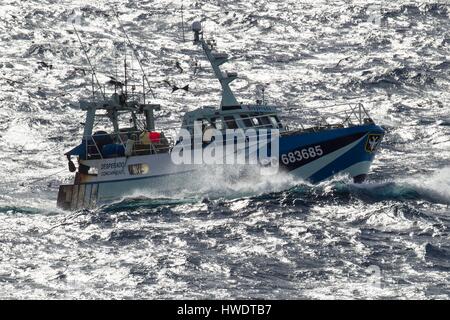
(316, 156)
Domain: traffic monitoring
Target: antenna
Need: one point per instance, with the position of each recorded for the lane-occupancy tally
(182, 22)
(115, 69)
(125, 71)
(94, 75)
(134, 51)
(216, 59)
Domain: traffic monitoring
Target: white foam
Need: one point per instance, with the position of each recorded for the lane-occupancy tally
(435, 185)
(225, 182)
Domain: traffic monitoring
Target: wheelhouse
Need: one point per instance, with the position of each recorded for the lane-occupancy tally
(133, 130)
(246, 117)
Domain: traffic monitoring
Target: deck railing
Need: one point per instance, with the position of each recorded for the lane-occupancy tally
(355, 114)
(93, 148)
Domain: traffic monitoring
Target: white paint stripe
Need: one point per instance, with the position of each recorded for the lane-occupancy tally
(309, 169)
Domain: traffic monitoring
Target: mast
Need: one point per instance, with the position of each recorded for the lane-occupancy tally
(133, 49)
(216, 59)
(125, 74)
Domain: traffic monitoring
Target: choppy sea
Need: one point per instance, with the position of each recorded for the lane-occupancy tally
(388, 238)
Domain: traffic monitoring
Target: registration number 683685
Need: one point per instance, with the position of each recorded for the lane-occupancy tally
(302, 154)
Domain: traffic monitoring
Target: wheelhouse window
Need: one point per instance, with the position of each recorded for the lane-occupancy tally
(205, 124)
(246, 120)
(231, 123)
(274, 121)
(265, 121)
(280, 125)
(138, 169)
(217, 123)
(255, 121)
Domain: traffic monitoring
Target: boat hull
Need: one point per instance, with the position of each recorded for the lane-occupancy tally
(313, 156)
(343, 150)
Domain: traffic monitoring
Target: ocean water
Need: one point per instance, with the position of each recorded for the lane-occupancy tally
(281, 238)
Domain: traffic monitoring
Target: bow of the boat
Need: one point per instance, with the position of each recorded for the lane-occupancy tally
(318, 155)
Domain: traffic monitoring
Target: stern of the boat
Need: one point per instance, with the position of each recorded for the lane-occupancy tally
(77, 196)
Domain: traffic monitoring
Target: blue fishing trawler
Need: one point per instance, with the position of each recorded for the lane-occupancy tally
(111, 164)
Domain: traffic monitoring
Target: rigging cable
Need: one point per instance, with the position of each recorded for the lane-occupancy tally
(134, 51)
(89, 61)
